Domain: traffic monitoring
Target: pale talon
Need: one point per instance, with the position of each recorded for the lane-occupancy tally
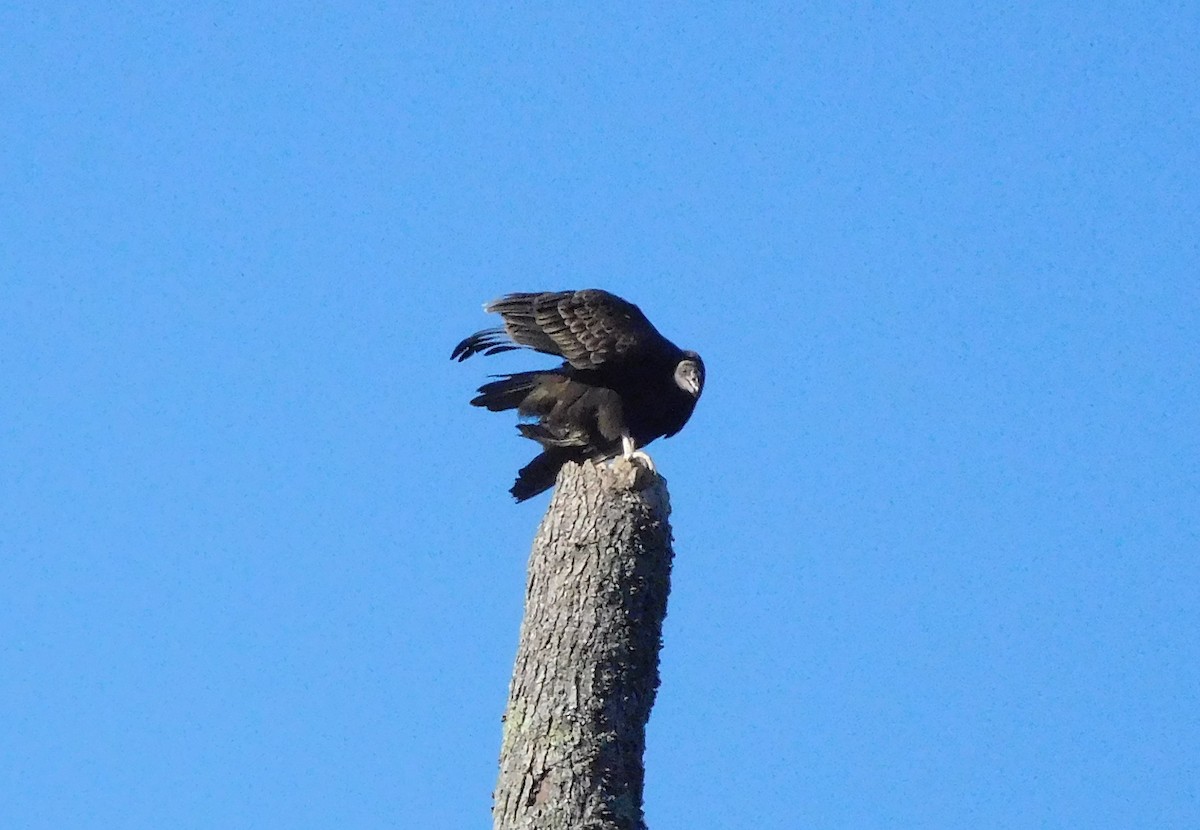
(646, 460)
(630, 452)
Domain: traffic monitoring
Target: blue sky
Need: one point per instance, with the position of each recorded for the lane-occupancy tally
(935, 516)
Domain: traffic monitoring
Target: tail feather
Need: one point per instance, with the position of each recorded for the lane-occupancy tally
(560, 409)
(508, 392)
(557, 436)
(532, 394)
(539, 475)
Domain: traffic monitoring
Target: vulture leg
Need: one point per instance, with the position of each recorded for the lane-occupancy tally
(628, 452)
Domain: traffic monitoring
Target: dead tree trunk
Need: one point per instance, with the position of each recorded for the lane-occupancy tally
(587, 664)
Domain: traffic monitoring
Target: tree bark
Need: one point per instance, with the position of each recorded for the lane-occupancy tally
(587, 664)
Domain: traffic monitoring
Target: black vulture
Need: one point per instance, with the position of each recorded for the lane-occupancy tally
(621, 385)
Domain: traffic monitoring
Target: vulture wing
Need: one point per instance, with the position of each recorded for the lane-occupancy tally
(588, 328)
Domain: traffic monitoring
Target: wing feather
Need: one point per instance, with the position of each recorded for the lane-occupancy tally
(588, 328)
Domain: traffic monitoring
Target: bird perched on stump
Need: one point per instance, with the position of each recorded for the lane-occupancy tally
(620, 386)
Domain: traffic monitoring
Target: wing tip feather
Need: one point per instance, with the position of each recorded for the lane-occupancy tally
(487, 342)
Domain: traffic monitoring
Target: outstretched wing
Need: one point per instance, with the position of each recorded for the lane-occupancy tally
(588, 328)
